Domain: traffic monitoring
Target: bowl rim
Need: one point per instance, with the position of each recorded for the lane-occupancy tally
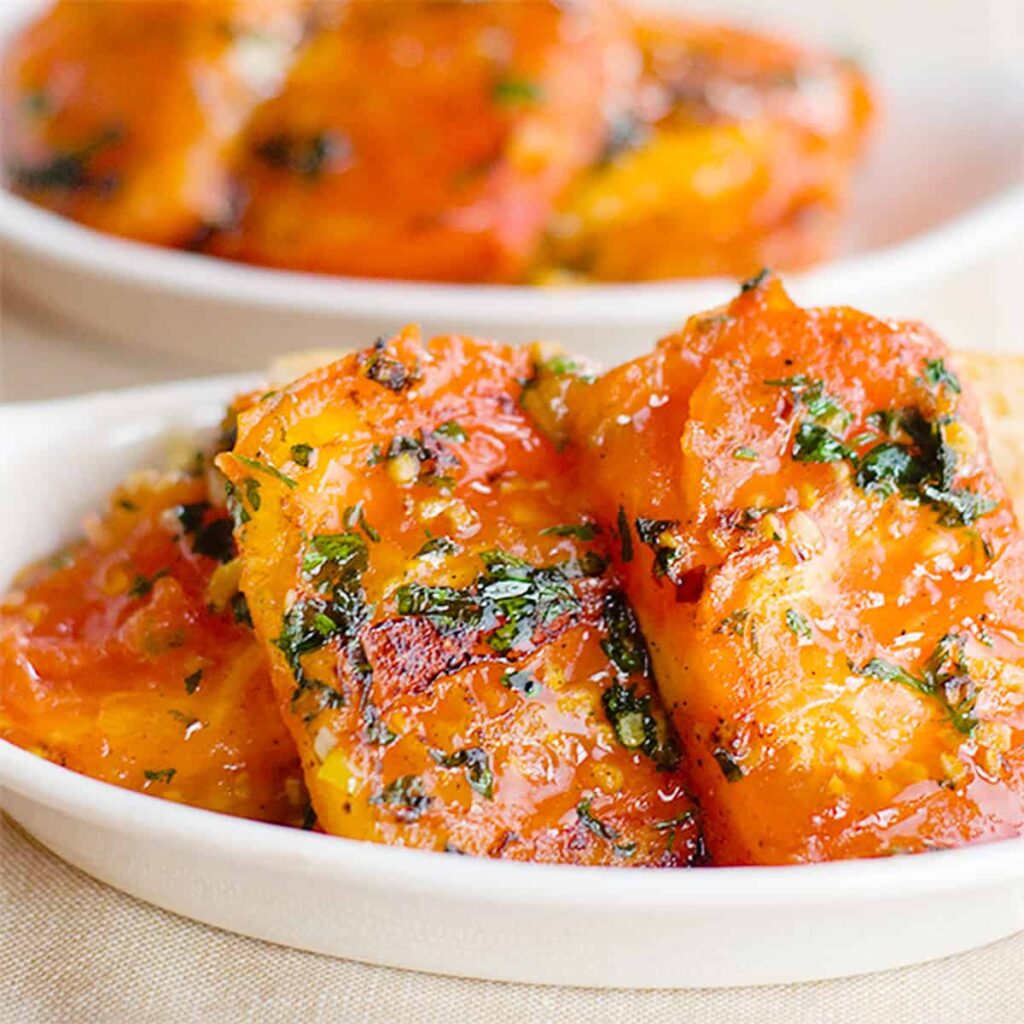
(410, 871)
(34, 231)
(413, 871)
(46, 236)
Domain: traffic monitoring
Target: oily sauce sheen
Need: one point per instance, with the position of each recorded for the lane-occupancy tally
(457, 667)
(753, 598)
(534, 143)
(123, 657)
(832, 594)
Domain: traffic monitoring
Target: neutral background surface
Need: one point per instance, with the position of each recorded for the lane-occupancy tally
(72, 950)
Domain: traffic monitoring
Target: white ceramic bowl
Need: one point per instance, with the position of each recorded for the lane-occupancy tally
(428, 911)
(937, 222)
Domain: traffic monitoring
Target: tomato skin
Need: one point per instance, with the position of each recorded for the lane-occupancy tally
(482, 729)
(794, 593)
(112, 664)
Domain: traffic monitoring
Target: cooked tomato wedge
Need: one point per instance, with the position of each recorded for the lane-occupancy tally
(828, 573)
(456, 664)
(128, 656)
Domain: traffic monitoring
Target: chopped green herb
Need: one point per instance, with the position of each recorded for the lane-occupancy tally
(814, 443)
(252, 492)
(635, 726)
(508, 602)
(679, 819)
(824, 409)
(451, 430)
(944, 677)
(405, 797)
(160, 775)
(921, 466)
(142, 585)
(624, 644)
(746, 454)
(798, 624)
(128, 506)
(301, 454)
(305, 155)
(334, 564)
(383, 370)
(240, 610)
(756, 281)
(735, 622)
(651, 533)
(729, 765)
(239, 514)
(192, 681)
(522, 682)
(438, 546)
(266, 468)
(473, 760)
(515, 92)
(936, 373)
(332, 556)
(186, 720)
(376, 731)
(69, 170)
(603, 830)
(355, 515)
(582, 531)
(625, 537)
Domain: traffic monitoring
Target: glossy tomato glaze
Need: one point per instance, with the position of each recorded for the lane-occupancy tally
(114, 664)
(123, 115)
(839, 644)
(427, 141)
(738, 154)
(435, 141)
(456, 666)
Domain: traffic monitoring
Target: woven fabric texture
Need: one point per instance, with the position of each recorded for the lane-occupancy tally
(73, 950)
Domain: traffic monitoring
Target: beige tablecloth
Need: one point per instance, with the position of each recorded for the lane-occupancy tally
(73, 950)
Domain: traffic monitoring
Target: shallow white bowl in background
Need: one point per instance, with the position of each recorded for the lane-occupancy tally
(433, 912)
(936, 232)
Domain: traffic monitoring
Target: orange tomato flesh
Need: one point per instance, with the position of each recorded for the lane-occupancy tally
(124, 116)
(739, 156)
(840, 649)
(439, 617)
(426, 141)
(495, 598)
(113, 664)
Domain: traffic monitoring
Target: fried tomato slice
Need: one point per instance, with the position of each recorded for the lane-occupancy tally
(828, 573)
(127, 657)
(738, 155)
(429, 141)
(458, 668)
(123, 115)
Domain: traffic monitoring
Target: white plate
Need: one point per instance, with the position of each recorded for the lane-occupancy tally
(938, 217)
(430, 911)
